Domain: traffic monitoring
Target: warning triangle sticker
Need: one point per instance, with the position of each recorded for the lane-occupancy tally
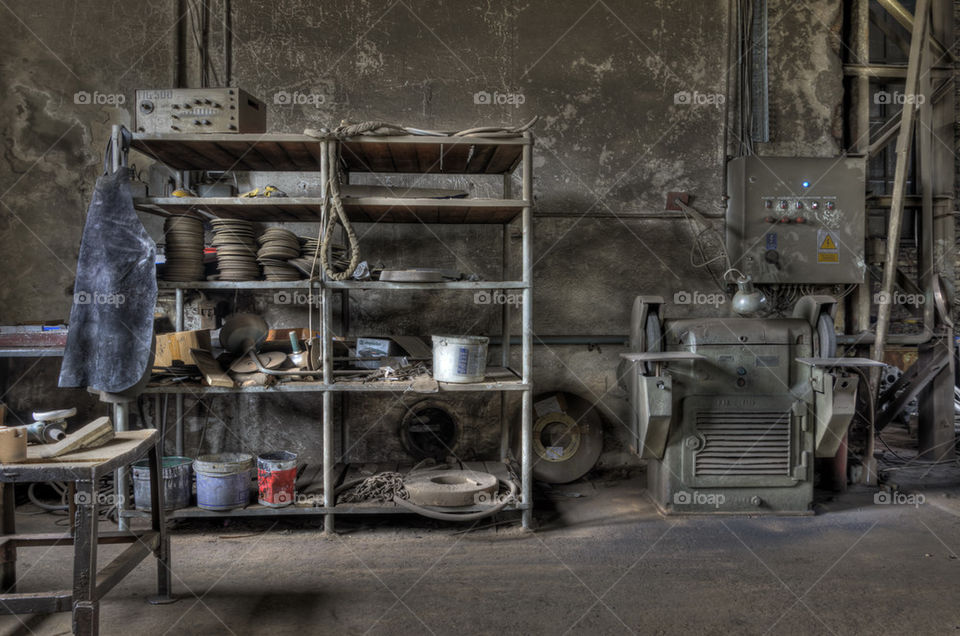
(828, 243)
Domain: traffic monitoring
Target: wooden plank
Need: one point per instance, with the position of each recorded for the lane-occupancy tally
(453, 158)
(218, 156)
(213, 374)
(426, 157)
(503, 160)
(404, 157)
(481, 157)
(97, 432)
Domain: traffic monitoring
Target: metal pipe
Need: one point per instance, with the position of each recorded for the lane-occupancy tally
(906, 20)
(227, 44)
(178, 398)
(566, 340)
(329, 496)
(925, 166)
(326, 347)
(904, 142)
(526, 430)
(505, 320)
(120, 424)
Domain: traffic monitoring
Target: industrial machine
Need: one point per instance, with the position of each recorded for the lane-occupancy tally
(200, 110)
(732, 411)
(796, 220)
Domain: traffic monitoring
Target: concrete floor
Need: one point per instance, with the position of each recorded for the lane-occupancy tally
(603, 562)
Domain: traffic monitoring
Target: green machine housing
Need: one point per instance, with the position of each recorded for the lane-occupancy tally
(731, 412)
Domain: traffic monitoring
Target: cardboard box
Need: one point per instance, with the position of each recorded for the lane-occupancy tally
(175, 346)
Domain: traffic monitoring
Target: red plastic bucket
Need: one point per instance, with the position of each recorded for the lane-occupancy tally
(276, 474)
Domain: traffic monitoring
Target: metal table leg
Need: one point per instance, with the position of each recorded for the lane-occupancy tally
(86, 607)
(121, 422)
(8, 556)
(158, 521)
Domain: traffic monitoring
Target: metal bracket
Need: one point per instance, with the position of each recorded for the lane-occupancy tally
(835, 401)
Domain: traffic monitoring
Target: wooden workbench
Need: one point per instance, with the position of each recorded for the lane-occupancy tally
(83, 469)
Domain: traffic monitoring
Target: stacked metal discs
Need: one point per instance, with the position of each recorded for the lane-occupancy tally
(308, 252)
(236, 249)
(183, 236)
(277, 247)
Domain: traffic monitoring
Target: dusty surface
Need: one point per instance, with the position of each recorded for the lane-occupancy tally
(601, 563)
(632, 98)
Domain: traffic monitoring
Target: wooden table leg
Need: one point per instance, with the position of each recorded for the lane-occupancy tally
(72, 506)
(8, 557)
(158, 521)
(86, 607)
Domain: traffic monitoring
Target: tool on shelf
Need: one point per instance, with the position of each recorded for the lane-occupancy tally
(49, 427)
(242, 333)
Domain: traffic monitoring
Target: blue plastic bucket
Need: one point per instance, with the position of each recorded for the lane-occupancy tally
(223, 480)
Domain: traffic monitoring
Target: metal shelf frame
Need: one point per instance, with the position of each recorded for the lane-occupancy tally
(400, 154)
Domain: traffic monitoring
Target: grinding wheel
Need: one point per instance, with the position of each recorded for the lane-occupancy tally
(270, 360)
(242, 332)
(567, 437)
(450, 487)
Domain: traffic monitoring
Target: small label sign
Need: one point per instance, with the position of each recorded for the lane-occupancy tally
(827, 250)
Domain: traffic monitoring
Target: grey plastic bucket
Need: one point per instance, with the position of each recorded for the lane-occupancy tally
(276, 478)
(460, 358)
(175, 476)
(223, 480)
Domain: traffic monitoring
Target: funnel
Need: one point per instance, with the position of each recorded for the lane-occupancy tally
(242, 332)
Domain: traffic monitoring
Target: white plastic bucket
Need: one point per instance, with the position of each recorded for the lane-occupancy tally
(460, 358)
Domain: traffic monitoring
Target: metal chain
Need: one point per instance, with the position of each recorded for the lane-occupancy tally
(380, 487)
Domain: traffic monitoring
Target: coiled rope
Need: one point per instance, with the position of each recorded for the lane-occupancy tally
(337, 215)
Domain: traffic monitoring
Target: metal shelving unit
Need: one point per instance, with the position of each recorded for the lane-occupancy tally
(370, 154)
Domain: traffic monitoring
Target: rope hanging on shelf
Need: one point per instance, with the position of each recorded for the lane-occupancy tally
(347, 130)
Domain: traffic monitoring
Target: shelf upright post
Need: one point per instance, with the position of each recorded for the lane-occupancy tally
(527, 346)
(329, 497)
(178, 398)
(121, 409)
(505, 324)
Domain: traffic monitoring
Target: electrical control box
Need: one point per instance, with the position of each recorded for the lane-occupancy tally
(200, 110)
(797, 220)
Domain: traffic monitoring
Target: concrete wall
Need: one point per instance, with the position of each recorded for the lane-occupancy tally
(630, 96)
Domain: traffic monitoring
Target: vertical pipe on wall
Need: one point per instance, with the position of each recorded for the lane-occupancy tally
(227, 44)
(327, 163)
